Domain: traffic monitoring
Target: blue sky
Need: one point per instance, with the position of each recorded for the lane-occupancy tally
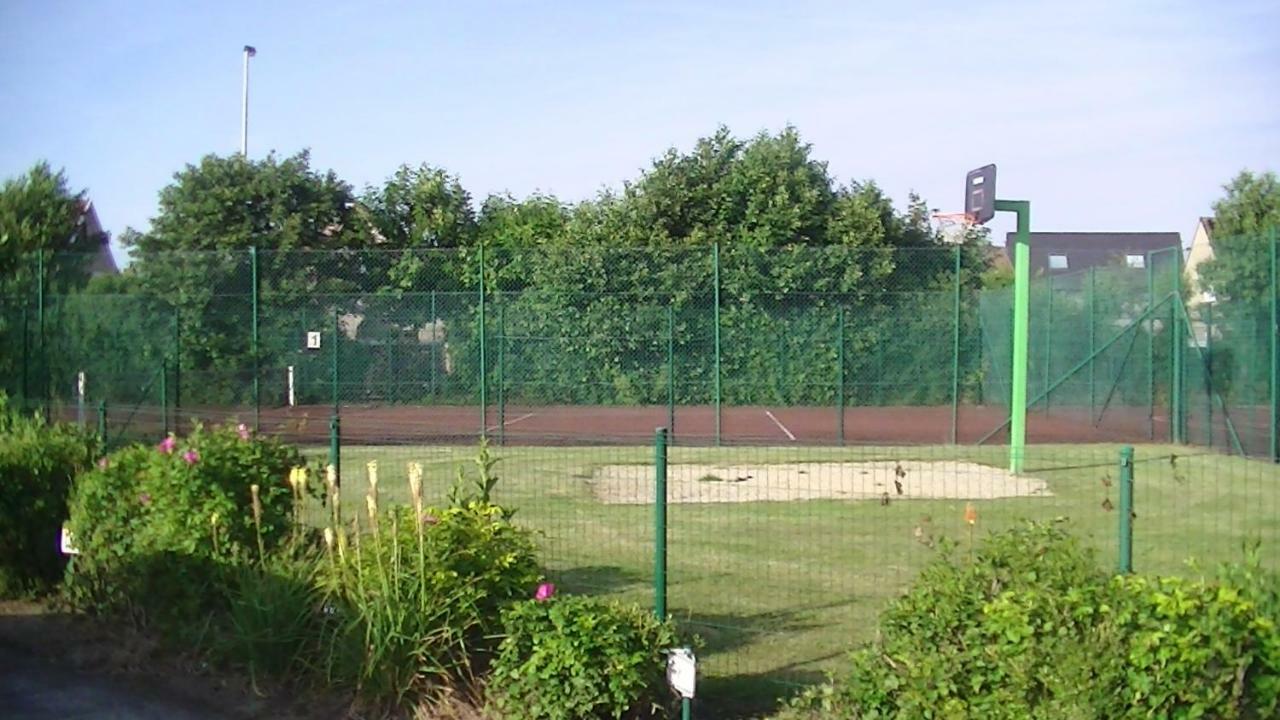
(1120, 115)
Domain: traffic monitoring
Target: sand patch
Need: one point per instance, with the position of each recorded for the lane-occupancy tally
(729, 483)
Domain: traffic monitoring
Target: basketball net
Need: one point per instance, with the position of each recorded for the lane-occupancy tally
(952, 226)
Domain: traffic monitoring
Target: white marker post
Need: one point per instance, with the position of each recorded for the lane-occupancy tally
(80, 397)
(682, 674)
(292, 400)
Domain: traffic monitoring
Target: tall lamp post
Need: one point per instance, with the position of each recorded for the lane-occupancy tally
(249, 51)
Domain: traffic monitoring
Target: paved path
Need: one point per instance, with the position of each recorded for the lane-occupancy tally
(32, 688)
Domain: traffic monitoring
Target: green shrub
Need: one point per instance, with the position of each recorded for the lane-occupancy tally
(1031, 628)
(576, 657)
(155, 525)
(416, 597)
(274, 617)
(37, 464)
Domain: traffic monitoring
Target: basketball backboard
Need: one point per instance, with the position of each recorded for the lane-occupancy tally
(980, 194)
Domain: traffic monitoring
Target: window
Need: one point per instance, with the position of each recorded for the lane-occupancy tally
(1135, 261)
(1057, 262)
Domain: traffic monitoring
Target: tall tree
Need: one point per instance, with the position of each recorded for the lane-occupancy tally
(38, 211)
(416, 211)
(1241, 265)
(195, 260)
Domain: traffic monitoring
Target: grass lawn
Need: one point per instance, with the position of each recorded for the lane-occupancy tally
(781, 590)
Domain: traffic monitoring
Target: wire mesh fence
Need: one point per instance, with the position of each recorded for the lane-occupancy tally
(836, 415)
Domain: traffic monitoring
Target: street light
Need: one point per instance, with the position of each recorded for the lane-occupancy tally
(249, 51)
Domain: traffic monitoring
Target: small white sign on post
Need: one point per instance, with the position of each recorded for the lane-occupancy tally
(292, 400)
(67, 543)
(682, 671)
(313, 340)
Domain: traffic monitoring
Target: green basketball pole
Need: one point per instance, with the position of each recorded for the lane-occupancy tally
(1021, 301)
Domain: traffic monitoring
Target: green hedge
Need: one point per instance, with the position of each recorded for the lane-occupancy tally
(1032, 628)
(37, 465)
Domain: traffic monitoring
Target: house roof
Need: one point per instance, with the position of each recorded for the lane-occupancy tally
(1084, 250)
(104, 263)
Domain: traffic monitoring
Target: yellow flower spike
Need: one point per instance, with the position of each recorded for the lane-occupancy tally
(331, 476)
(257, 504)
(415, 483)
(970, 514)
(372, 468)
(328, 538)
(213, 519)
(372, 503)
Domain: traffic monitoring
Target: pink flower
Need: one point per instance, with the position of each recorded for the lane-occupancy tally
(191, 457)
(144, 499)
(167, 445)
(102, 463)
(545, 591)
(429, 519)
(243, 431)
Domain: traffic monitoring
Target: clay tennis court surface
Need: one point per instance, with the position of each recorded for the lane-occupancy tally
(691, 425)
(569, 425)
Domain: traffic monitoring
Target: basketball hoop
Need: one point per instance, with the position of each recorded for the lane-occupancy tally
(953, 226)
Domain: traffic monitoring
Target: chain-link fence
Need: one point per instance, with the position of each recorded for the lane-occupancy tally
(833, 413)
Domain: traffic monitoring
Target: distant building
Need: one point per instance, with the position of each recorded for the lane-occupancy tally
(1057, 253)
(1201, 251)
(103, 263)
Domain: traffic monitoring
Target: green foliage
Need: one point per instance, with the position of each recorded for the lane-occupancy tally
(1031, 628)
(39, 212)
(37, 465)
(1243, 218)
(417, 595)
(575, 657)
(274, 616)
(155, 524)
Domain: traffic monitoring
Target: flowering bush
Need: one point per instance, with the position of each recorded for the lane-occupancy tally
(37, 463)
(577, 657)
(154, 522)
(419, 591)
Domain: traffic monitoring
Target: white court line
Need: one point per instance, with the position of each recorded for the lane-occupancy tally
(781, 427)
(509, 423)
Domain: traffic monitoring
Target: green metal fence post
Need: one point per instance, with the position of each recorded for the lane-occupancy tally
(1093, 340)
(177, 368)
(1275, 349)
(43, 365)
(435, 342)
(1126, 510)
(671, 372)
(102, 424)
(26, 350)
(660, 523)
(502, 374)
(1048, 346)
(253, 295)
(335, 419)
(484, 371)
(840, 373)
(335, 447)
(955, 357)
(1151, 352)
(333, 371)
(1177, 406)
(1208, 375)
(715, 259)
(164, 393)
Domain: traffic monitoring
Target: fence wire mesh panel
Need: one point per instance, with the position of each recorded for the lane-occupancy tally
(835, 415)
